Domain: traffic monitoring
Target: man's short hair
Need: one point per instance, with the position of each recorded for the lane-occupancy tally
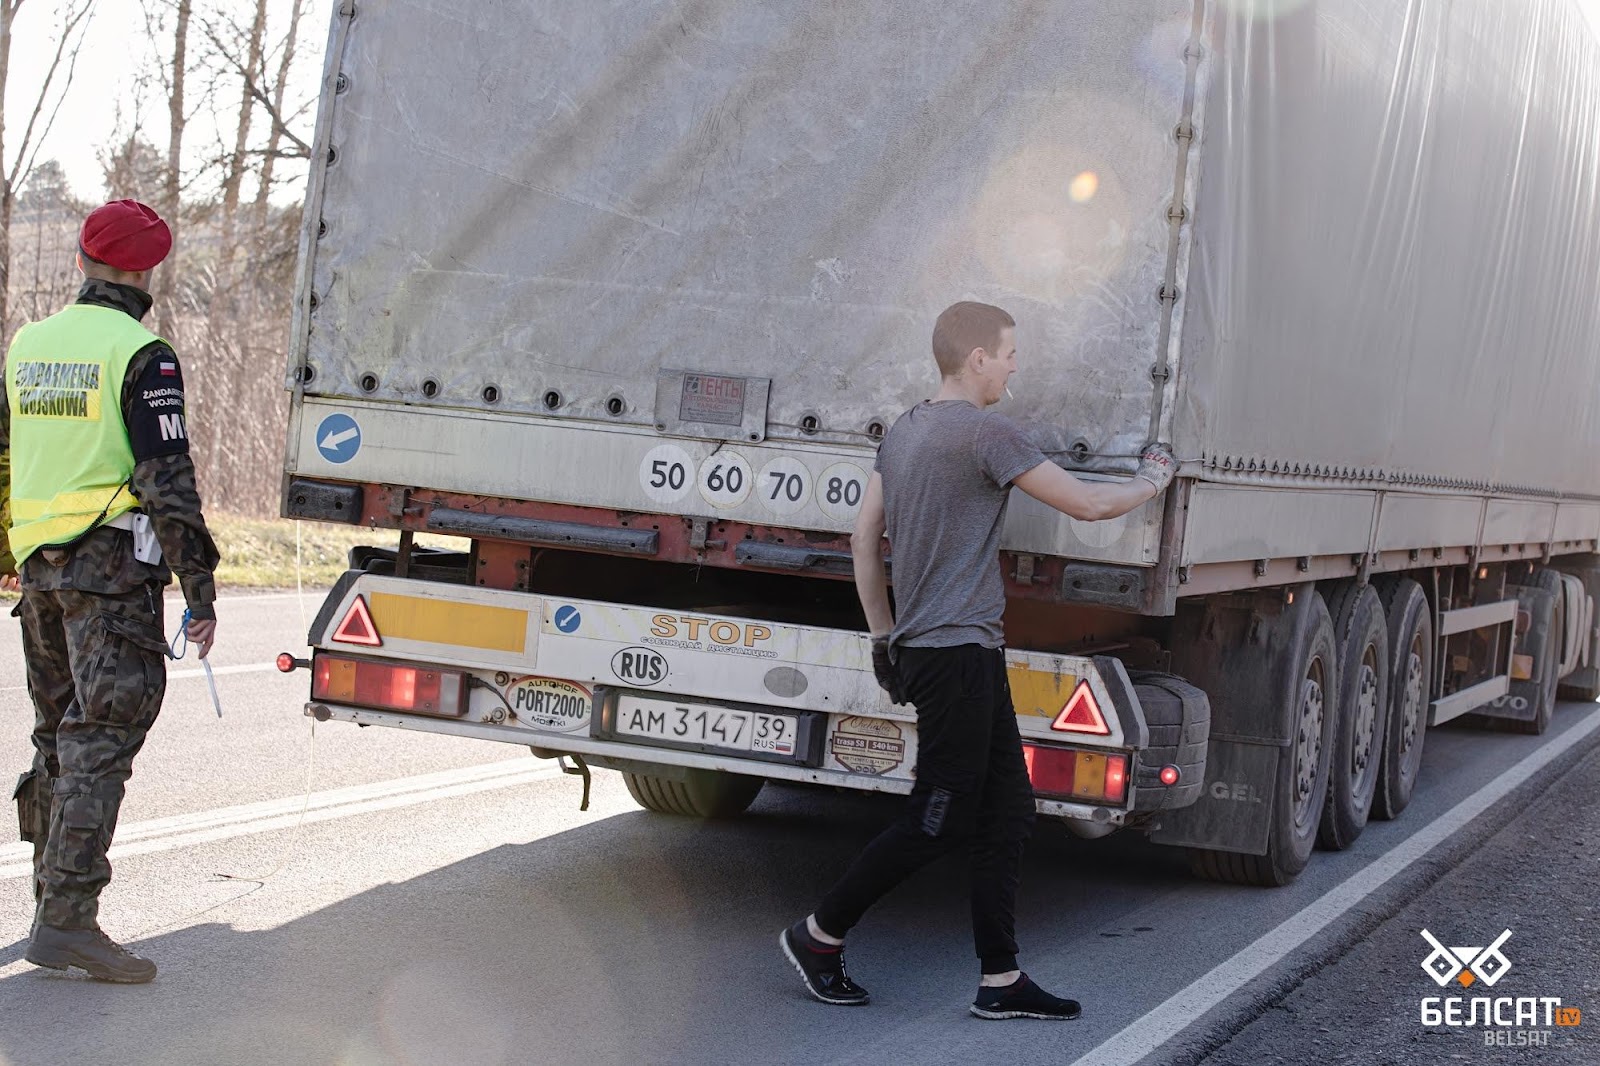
(961, 328)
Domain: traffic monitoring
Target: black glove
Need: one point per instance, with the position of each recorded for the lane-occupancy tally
(884, 668)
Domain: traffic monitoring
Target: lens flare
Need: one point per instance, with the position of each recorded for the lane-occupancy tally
(1083, 187)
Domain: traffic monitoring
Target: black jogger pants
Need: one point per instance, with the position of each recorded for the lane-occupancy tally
(971, 791)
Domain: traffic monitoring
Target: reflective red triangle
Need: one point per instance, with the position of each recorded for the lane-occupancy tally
(357, 627)
(1081, 713)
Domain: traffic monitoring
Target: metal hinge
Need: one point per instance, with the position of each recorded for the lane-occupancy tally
(1024, 569)
(698, 528)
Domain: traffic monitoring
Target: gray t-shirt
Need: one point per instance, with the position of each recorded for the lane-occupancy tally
(947, 469)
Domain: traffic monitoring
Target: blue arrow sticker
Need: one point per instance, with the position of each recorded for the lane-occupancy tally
(338, 438)
(567, 619)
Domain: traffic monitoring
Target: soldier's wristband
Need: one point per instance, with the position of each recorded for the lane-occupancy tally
(203, 612)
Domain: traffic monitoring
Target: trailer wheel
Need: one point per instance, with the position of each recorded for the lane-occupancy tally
(703, 794)
(1362, 714)
(1544, 637)
(1301, 786)
(1584, 684)
(1410, 679)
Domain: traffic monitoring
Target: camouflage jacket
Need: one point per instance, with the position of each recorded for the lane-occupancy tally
(163, 482)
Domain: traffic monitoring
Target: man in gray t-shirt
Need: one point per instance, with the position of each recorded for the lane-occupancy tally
(939, 491)
(947, 469)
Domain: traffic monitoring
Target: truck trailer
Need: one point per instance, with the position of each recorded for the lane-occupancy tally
(626, 295)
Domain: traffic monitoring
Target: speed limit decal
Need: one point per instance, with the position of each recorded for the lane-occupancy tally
(726, 479)
(839, 491)
(784, 486)
(667, 473)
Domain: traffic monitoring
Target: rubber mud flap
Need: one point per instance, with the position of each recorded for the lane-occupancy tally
(1233, 812)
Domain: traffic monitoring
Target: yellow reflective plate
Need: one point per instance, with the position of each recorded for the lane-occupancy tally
(460, 625)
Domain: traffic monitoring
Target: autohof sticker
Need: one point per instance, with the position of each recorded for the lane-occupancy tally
(550, 703)
(868, 745)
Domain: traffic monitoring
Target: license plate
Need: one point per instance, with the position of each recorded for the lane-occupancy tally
(704, 727)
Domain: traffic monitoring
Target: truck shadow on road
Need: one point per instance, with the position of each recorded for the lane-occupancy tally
(639, 938)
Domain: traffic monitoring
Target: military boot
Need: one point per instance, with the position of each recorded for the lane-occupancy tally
(89, 950)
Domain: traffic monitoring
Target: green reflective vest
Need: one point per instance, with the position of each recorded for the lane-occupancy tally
(70, 456)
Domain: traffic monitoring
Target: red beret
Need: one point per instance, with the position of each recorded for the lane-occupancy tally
(125, 234)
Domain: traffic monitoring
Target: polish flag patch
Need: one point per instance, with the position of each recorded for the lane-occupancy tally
(169, 370)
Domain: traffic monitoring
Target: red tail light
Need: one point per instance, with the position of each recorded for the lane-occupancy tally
(389, 686)
(1116, 777)
(1065, 773)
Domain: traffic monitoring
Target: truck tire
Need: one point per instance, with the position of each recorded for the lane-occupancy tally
(1543, 640)
(1179, 718)
(1584, 683)
(702, 794)
(1410, 682)
(1301, 785)
(1363, 710)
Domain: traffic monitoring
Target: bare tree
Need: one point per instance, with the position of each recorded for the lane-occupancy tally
(174, 82)
(233, 174)
(72, 17)
(274, 112)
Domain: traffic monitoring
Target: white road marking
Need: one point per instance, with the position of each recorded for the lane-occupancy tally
(180, 675)
(206, 827)
(1166, 1021)
(246, 668)
(246, 599)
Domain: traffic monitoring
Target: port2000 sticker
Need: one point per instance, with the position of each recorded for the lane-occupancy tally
(550, 703)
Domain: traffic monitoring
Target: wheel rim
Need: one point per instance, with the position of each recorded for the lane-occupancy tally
(1411, 707)
(1308, 745)
(1361, 761)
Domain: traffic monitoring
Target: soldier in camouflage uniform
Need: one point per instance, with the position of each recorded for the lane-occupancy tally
(91, 610)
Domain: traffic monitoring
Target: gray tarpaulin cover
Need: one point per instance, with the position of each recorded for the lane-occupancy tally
(1382, 252)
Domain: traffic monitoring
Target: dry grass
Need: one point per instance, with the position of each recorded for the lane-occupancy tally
(259, 553)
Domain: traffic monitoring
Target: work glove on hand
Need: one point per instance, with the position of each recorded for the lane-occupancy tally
(884, 668)
(1157, 466)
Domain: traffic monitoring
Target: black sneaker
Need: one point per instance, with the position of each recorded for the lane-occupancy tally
(1023, 999)
(821, 967)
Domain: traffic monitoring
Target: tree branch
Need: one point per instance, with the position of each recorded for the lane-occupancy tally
(75, 16)
(44, 134)
(253, 87)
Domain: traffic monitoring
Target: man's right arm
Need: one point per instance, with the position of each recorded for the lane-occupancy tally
(164, 480)
(1087, 501)
(866, 551)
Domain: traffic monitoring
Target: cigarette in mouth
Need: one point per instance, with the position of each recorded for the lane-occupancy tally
(1008, 393)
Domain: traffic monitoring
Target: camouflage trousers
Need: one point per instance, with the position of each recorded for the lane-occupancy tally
(97, 672)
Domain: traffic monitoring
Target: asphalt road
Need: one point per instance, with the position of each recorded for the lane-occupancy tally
(436, 900)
